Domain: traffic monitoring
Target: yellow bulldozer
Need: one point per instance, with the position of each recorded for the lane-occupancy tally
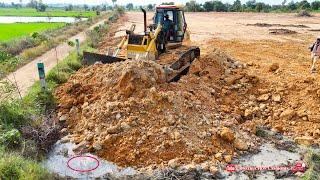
(161, 38)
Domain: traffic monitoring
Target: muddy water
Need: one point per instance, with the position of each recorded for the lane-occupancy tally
(58, 158)
(268, 156)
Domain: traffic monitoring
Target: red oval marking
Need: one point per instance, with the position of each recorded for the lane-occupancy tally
(83, 170)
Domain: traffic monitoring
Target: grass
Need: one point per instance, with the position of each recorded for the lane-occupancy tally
(313, 161)
(17, 30)
(14, 166)
(29, 12)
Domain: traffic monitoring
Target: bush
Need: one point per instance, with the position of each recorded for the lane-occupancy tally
(15, 47)
(304, 13)
(10, 138)
(45, 100)
(13, 114)
(4, 56)
(56, 77)
(75, 65)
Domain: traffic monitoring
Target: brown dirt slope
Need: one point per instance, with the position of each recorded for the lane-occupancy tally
(128, 114)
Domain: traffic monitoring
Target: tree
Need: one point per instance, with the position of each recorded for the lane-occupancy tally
(208, 6)
(236, 7)
(218, 6)
(104, 8)
(304, 5)
(284, 2)
(315, 5)
(129, 6)
(251, 4)
(32, 4)
(292, 6)
(86, 7)
(114, 2)
(193, 6)
(41, 7)
(69, 7)
(260, 7)
(150, 7)
(167, 3)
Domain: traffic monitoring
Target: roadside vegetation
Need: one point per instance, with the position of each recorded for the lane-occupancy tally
(313, 161)
(28, 128)
(18, 52)
(17, 30)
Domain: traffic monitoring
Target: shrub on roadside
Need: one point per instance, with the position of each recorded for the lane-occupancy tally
(313, 161)
(13, 166)
(15, 47)
(45, 100)
(4, 56)
(13, 114)
(10, 138)
(56, 77)
(75, 64)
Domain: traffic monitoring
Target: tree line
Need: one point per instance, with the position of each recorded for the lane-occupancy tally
(193, 6)
(237, 6)
(251, 6)
(40, 6)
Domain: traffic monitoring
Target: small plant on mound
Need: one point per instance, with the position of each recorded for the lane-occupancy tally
(304, 13)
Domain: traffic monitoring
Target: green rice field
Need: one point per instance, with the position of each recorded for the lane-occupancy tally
(16, 30)
(49, 12)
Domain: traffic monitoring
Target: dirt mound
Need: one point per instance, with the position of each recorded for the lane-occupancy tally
(127, 114)
(279, 25)
(287, 98)
(281, 31)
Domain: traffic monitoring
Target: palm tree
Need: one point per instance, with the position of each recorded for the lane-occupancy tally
(114, 1)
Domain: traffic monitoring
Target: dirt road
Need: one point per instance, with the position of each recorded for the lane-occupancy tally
(27, 75)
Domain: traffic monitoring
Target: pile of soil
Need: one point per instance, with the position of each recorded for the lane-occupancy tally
(128, 114)
(281, 31)
(287, 99)
(279, 25)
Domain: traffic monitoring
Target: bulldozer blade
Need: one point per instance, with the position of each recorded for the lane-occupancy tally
(92, 58)
(182, 65)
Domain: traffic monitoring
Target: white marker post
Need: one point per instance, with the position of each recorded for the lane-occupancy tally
(42, 75)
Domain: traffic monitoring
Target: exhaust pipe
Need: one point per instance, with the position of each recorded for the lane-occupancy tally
(145, 19)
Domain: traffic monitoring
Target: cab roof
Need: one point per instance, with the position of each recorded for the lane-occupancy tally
(179, 7)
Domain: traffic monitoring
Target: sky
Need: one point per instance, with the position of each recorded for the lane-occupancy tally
(137, 2)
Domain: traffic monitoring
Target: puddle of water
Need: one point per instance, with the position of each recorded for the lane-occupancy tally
(21, 19)
(60, 155)
(268, 156)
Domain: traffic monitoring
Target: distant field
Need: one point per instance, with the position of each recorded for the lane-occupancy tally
(48, 12)
(16, 30)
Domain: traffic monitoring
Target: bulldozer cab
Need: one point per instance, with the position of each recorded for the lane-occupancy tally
(174, 24)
